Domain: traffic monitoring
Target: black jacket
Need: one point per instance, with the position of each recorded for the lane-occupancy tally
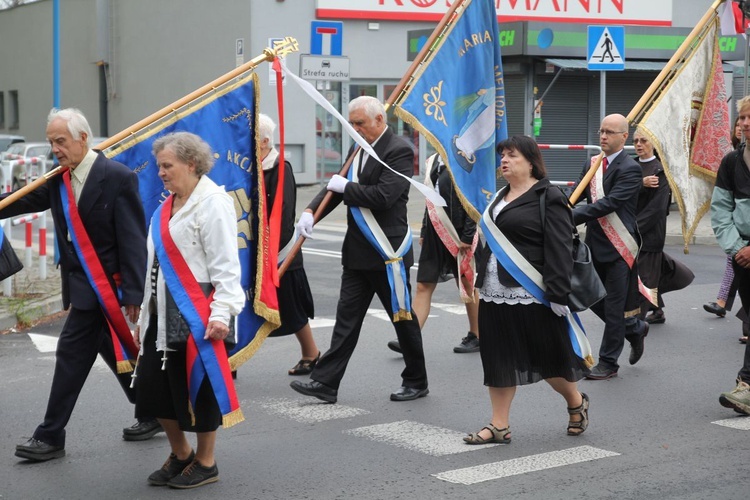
(549, 251)
(112, 213)
(653, 208)
(622, 183)
(288, 215)
(383, 192)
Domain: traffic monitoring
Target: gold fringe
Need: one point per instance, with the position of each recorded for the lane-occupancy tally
(232, 418)
(125, 366)
(633, 312)
(402, 315)
(589, 361)
(190, 411)
(249, 350)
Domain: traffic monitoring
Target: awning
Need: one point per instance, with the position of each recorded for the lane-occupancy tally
(582, 64)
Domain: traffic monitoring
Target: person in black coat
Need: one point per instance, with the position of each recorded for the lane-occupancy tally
(295, 298)
(657, 269)
(437, 263)
(622, 180)
(106, 194)
(385, 194)
(524, 340)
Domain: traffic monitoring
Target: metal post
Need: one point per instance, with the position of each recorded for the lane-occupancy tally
(29, 232)
(7, 282)
(602, 95)
(43, 246)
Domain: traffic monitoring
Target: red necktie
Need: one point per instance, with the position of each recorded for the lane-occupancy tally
(605, 162)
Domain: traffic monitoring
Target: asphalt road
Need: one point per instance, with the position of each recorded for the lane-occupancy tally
(653, 432)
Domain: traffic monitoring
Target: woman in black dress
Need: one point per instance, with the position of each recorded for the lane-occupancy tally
(524, 340)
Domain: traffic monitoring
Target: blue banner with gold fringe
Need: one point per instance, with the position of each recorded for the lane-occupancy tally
(457, 100)
(226, 119)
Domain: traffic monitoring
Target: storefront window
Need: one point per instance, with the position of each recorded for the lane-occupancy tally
(328, 133)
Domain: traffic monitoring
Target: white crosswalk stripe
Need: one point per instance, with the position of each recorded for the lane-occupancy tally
(416, 436)
(739, 423)
(46, 343)
(309, 412)
(524, 465)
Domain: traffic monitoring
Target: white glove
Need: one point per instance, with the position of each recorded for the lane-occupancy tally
(559, 309)
(337, 184)
(305, 225)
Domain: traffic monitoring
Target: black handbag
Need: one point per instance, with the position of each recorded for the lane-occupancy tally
(9, 263)
(586, 288)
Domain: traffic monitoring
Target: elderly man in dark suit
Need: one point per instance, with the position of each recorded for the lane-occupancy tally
(384, 194)
(107, 200)
(621, 180)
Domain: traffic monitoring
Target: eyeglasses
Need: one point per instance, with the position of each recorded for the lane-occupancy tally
(641, 140)
(610, 132)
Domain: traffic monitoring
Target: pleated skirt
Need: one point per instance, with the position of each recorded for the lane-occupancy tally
(523, 344)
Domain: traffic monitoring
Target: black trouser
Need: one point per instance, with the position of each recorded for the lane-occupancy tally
(742, 279)
(84, 335)
(621, 283)
(357, 290)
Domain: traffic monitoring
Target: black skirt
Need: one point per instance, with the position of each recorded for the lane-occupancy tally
(523, 344)
(295, 303)
(164, 393)
(436, 264)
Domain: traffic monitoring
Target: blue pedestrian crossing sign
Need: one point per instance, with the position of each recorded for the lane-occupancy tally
(606, 48)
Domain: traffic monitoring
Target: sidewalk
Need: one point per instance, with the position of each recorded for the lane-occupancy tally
(34, 298)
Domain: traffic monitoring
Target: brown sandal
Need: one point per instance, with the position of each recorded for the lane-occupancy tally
(304, 366)
(501, 436)
(576, 428)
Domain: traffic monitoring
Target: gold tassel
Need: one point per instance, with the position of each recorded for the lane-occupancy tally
(402, 315)
(190, 411)
(125, 366)
(232, 418)
(633, 312)
(589, 360)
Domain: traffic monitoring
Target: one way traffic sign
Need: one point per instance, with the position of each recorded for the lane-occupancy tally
(606, 48)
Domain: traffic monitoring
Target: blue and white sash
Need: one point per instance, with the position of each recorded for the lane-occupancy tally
(394, 259)
(529, 278)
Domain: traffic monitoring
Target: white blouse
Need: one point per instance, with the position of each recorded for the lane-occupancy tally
(205, 232)
(494, 291)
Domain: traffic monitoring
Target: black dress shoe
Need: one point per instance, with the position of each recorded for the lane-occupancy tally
(39, 451)
(315, 389)
(394, 346)
(600, 372)
(142, 430)
(409, 393)
(637, 344)
(656, 318)
(715, 308)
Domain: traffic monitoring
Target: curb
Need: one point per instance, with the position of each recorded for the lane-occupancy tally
(32, 311)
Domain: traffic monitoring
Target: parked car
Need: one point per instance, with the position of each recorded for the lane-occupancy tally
(27, 150)
(6, 140)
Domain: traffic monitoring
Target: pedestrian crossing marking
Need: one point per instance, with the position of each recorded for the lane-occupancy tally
(322, 323)
(308, 412)
(43, 343)
(419, 437)
(739, 423)
(606, 48)
(524, 465)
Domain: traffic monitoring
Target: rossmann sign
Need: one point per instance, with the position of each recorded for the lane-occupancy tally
(633, 12)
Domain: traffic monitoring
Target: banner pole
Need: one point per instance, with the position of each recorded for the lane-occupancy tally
(392, 99)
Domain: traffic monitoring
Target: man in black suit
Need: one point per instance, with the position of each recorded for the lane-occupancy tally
(622, 180)
(385, 194)
(107, 198)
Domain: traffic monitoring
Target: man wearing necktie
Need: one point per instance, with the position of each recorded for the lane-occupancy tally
(621, 182)
(111, 214)
(385, 194)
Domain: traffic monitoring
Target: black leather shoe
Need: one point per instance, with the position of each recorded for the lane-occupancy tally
(637, 344)
(600, 372)
(394, 346)
(409, 393)
(715, 308)
(142, 430)
(39, 451)
(470, 343)
(315, 389)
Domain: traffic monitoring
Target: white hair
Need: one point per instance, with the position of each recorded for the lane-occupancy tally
(77, 123)
(266, 127)
(370, 105)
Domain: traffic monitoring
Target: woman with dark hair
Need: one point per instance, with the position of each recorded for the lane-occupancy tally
(523, 279)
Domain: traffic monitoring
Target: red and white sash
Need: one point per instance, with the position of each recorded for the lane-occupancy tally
(448, 235)
(617, 233)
